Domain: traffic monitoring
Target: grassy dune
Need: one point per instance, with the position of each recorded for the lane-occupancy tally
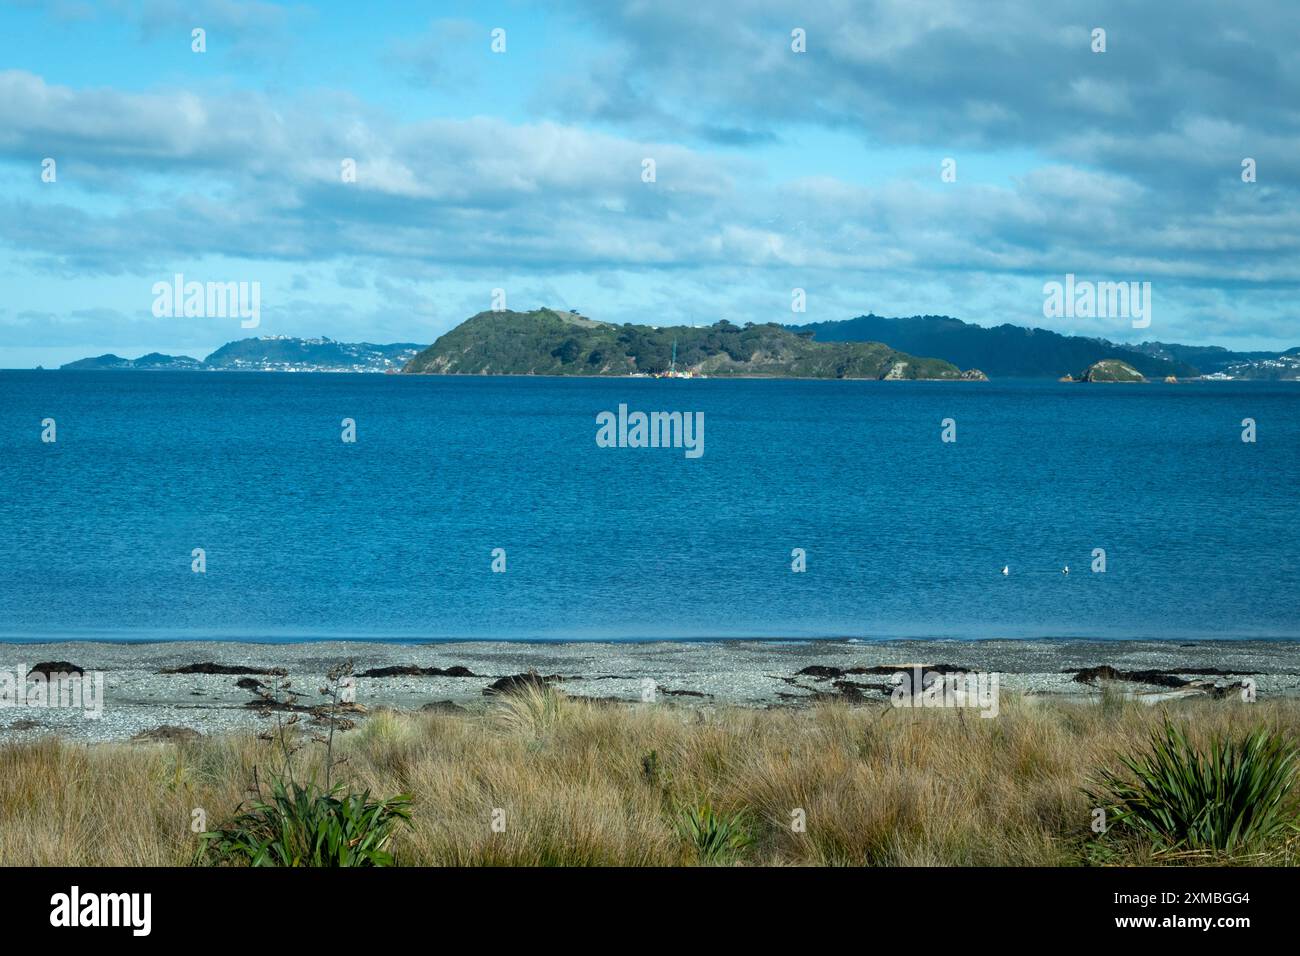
(584, 784)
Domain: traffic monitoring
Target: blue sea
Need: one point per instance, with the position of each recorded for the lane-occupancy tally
(392, 536)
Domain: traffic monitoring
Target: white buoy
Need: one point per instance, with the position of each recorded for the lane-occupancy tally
(1065, 570)
(1006, 569)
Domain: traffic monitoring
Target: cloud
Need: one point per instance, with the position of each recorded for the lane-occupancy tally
(1126, 166)
(481, 192)
(237, 176)
(991, 76)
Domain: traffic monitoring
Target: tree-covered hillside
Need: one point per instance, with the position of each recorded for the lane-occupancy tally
(547, 342)
(1005, 351)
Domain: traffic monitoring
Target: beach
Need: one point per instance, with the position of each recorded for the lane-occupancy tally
(138, 696)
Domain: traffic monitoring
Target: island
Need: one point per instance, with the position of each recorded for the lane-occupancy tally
(550, 342)
(1111, 370)
(269, 353)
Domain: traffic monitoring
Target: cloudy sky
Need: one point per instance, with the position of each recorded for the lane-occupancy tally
(523, 169)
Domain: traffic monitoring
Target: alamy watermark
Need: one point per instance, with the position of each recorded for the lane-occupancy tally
(651, 430)
(130, 910)
(53, 690)
(1083, 299)
(209, 300)
(919, 687)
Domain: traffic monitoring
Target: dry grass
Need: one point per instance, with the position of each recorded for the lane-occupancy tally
(578, 786)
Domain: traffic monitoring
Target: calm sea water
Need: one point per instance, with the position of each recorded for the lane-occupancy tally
(307, 536)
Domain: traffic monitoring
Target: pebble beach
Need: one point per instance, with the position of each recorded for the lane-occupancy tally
(140, 696)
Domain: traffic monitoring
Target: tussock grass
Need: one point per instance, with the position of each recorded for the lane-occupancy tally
(303, 826)
(540, 779)
(1231, 798)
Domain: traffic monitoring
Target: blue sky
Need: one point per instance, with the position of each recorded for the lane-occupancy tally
(522, 170)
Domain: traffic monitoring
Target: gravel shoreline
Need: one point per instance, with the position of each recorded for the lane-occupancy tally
(138, 698)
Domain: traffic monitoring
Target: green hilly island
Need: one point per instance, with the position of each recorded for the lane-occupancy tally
(549, 342)
(1111, 370)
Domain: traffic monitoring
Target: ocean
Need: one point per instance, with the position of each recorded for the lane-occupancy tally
(306, 536)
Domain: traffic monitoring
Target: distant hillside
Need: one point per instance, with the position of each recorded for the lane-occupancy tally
(547, 342)
(152, 361)
(282, 352)
(270, 354)
(1213, 360)
(1009, 351)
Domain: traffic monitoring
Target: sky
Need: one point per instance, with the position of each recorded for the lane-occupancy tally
(523, 168)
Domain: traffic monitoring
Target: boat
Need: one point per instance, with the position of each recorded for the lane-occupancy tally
(672, 372)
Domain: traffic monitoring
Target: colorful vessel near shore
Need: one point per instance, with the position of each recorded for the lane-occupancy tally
(672, 370)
